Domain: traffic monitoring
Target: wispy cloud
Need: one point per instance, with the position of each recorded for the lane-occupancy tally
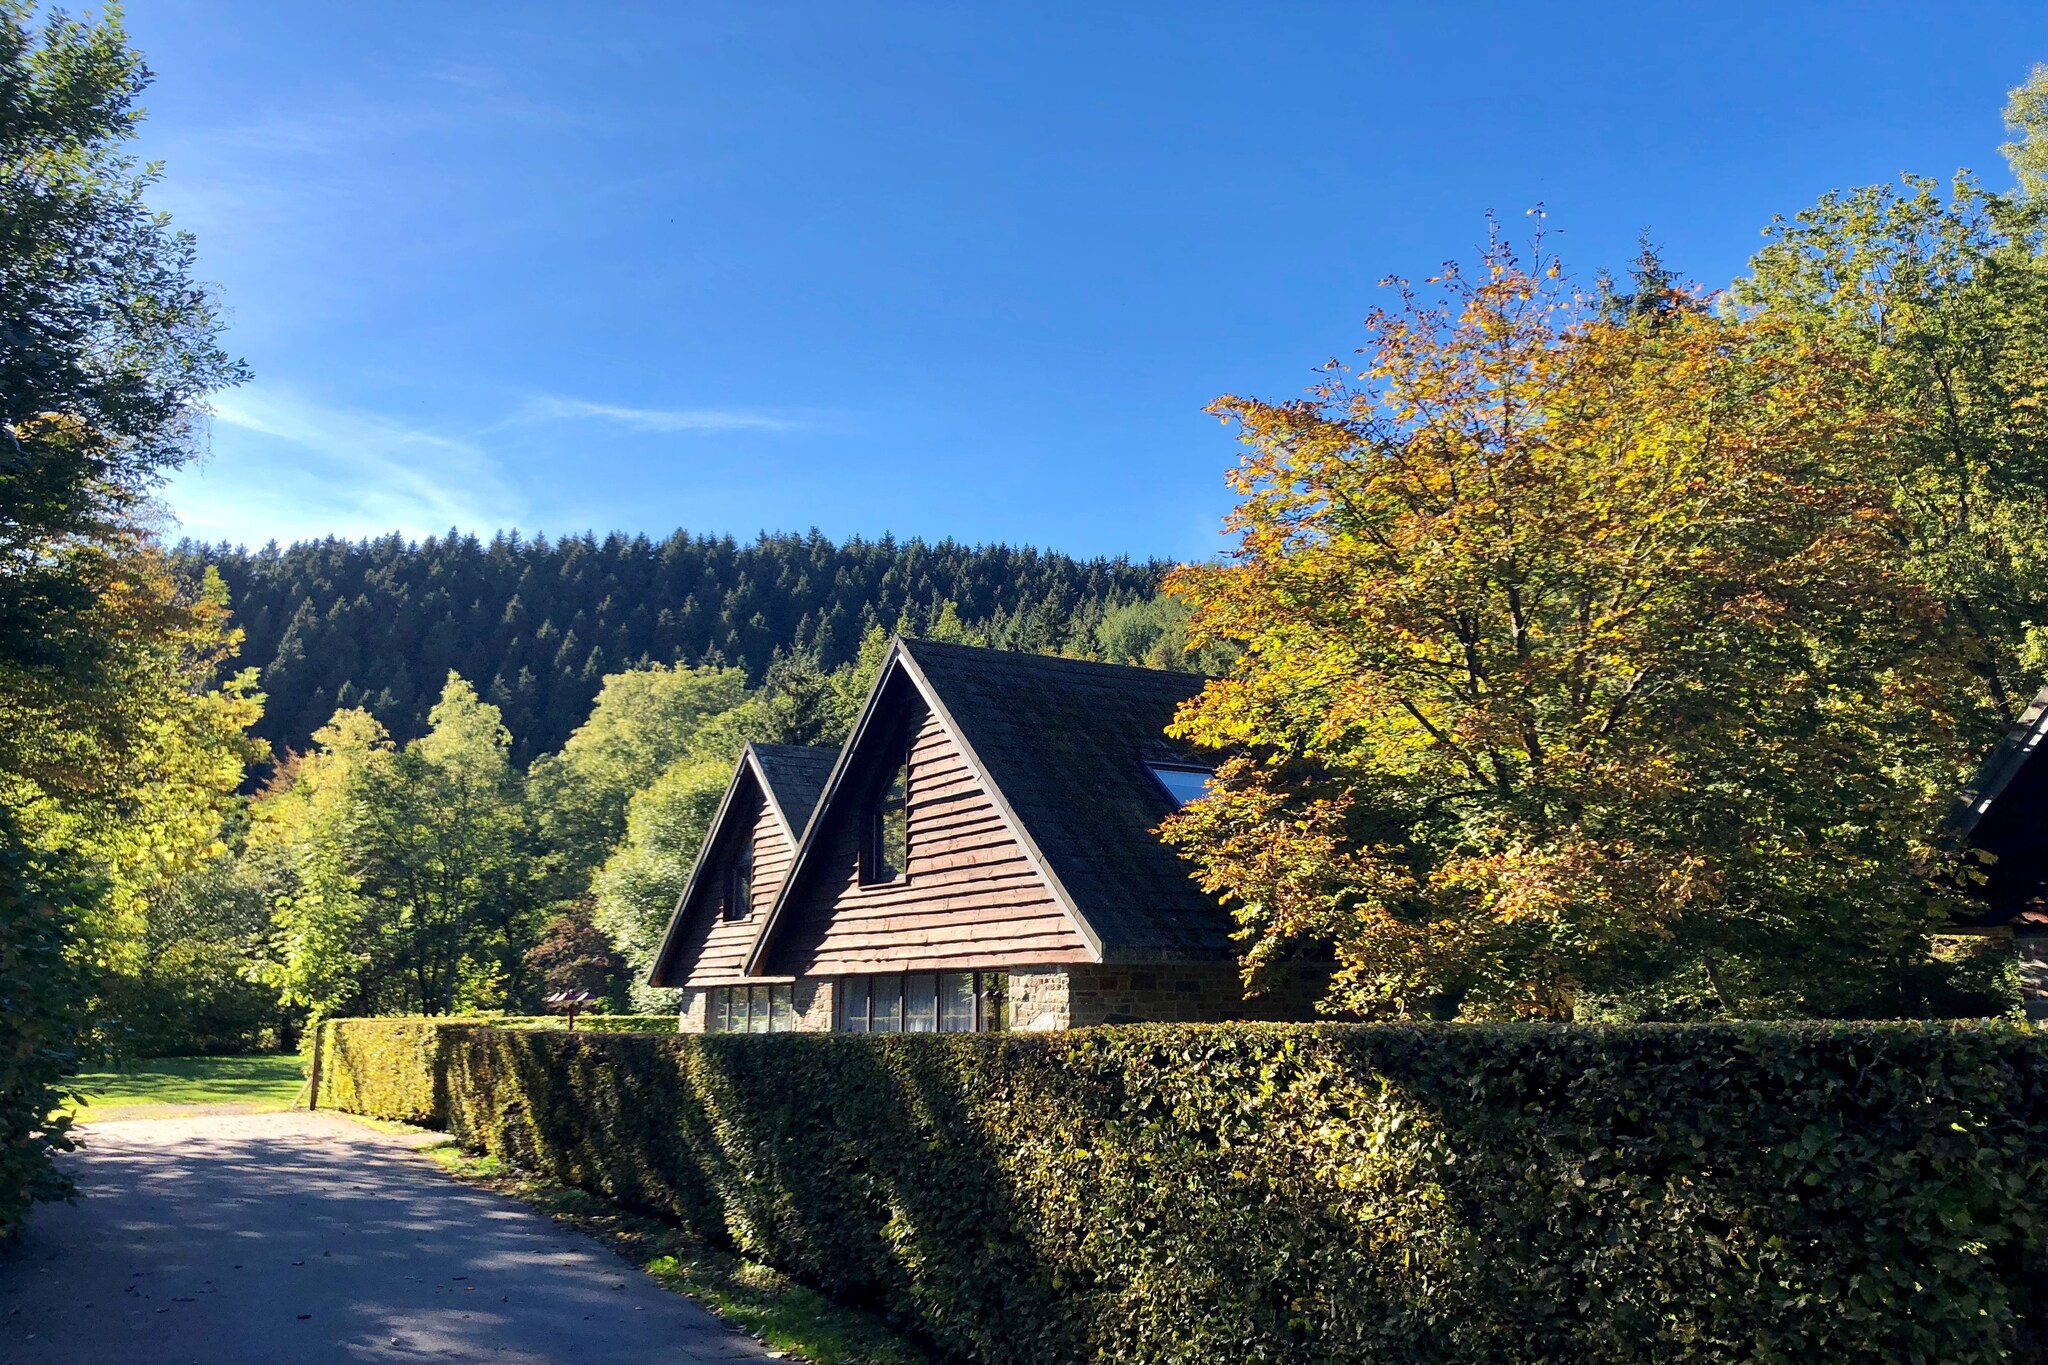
(548, 408)
(286, 467)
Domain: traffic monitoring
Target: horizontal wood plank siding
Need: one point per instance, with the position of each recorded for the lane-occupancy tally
(713, 947)
(971, 898)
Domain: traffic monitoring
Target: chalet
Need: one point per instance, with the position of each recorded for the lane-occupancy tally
(2004, 813)
(983, 853)
(740, 869)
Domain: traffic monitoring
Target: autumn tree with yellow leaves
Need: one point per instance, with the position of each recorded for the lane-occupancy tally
(1578, 671)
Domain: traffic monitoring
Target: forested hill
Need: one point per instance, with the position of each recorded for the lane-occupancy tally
(535, 624)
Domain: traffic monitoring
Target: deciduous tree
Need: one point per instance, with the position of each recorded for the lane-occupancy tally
(1577, 659)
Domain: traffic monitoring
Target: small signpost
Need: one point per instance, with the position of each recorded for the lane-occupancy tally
(575, 1000)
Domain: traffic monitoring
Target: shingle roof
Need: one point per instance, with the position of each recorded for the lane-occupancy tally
(1065, 742)
(795, 777)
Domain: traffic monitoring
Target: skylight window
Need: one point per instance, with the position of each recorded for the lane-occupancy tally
(1183, 782)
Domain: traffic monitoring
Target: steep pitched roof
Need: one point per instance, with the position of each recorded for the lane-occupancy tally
(2001, 766)
(1061, 746)
(2004, 811)
(790, 779)
(794, 778)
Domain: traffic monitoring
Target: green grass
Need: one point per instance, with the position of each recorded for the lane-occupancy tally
(252, 1084)
(799, 1322)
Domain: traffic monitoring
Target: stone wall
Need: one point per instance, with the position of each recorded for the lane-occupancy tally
(1205, 993)
(694, 1016)
(1038, 999)
(811, 1002)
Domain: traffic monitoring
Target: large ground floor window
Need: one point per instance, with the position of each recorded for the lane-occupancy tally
(922, 1002)
(750, 1009)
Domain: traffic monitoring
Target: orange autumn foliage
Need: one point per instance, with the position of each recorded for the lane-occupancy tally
(1575, 661)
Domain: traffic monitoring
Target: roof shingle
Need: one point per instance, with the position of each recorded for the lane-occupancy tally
(1066, 743)
(795, 777)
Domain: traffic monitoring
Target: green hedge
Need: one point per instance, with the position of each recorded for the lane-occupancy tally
(1768, 1193)
(594, 1023)
(397, 1068)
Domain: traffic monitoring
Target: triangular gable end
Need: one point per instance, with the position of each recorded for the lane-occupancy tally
(748, 785)
(876, 725)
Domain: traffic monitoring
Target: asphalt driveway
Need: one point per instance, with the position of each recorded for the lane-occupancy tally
(293, 1238)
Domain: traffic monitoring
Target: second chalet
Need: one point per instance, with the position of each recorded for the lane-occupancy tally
(982, 854)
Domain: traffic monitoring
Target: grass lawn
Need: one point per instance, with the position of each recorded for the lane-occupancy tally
(167, 1083)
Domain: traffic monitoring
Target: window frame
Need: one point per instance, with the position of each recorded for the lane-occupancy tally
(764, 1007)
(739, 881)
(874, 826)
(1157, 768)
(988, 991)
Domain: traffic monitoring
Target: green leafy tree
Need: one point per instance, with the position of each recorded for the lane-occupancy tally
(2026, 114)
(1940, 297)
(42, 893)
(108, 348)
(643, 721)
(1576, 663)
(403, 879)
(200, 986)
(637, 888)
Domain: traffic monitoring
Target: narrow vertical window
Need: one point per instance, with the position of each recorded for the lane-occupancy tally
(781, 1011)
(853, 1004)
(757, 1009)
(739, 895)
(921, 1003)
(995, 1002)
(720, 1005)
(885, 1004)
(956, 1002)
(885, 852)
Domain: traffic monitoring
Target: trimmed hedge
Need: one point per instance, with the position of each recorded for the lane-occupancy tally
(591, 1023)
(397, 1068)
(1768, 1193)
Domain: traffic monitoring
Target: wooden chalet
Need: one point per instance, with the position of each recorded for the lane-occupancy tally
(739, 871)
(981, 854)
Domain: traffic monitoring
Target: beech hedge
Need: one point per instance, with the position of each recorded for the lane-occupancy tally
(1292, 1193)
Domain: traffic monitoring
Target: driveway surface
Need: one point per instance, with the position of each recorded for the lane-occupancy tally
(282, 1239)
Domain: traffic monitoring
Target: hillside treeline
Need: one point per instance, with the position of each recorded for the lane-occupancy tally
(537, 624)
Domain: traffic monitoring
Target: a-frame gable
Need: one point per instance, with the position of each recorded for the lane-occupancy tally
(977, 893)
(701, 947)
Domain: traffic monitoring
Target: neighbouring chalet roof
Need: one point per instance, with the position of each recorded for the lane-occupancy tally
(794, 777)
(1061, 745)
(2004, 811)
(790, 778)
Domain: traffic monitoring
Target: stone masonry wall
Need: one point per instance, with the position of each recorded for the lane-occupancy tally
(811, 1001)
(1077, 997)
(694, 1015)
(1039, 999)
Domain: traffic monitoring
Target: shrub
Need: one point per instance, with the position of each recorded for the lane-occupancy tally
(1771, 1193)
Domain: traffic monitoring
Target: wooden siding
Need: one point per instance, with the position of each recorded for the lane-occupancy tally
(971, 897)
(713, 948)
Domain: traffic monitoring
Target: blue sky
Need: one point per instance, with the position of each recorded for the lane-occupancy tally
(942, 269)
